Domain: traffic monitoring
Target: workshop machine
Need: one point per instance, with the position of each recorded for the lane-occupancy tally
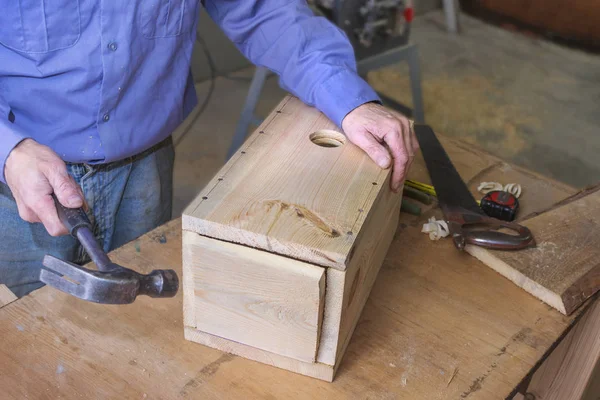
(373, 26)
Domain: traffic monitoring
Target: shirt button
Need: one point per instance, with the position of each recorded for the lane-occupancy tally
(105, 117)
(112, 46)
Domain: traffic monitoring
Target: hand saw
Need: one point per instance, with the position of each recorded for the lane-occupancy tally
(467, 223)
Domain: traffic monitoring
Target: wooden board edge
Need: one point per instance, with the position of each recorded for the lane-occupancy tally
(535, 289)
(332, 317)
(189, 209)
(584, 288)
(386, 241)
(6, 296)
(571, 367)
(314, 370)
(573, 320)
(567, 200)
(235, 235)
(322, 293)
(189, 314)
(335, 341)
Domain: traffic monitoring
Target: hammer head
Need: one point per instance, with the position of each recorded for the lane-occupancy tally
(118, 285)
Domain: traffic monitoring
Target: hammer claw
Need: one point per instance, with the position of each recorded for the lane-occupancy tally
(64, 268)
(60, 283)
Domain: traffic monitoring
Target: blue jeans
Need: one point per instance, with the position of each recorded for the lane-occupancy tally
(126, 199)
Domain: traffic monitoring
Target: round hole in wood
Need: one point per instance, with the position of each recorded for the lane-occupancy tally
(327, 138)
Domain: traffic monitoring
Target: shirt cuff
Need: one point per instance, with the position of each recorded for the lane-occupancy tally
(342, 93)
(9, 138)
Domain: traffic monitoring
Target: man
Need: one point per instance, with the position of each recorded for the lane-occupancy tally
(90, 92)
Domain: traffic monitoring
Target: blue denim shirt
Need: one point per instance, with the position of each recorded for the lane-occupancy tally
(102, 80)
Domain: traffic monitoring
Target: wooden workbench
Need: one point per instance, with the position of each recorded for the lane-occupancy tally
(438, 325)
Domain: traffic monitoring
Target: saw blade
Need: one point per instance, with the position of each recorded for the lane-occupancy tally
(450, 189)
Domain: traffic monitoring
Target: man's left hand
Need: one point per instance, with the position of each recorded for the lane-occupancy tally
(385, 135)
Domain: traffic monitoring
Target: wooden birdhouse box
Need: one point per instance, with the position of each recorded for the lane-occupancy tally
(282, 247)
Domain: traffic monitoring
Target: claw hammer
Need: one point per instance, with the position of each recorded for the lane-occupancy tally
(111, 283)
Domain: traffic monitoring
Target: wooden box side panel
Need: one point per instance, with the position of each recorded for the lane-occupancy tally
(253, 297)
(314, 370)
(348, 291)
(360, 281)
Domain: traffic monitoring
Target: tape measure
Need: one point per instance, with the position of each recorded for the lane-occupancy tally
(500, 204)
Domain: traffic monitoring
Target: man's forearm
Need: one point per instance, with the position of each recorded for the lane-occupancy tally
(312, 56)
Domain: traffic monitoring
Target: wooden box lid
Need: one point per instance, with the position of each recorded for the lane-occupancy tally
(287, 191)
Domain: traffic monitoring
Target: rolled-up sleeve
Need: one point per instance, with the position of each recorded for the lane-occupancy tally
(10, 136)
(312, 56)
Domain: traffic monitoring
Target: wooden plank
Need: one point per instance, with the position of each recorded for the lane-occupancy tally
(314, 370)
(531, 183)
(347, 291)
(569, 371)
(272, 196)
(563, 270)
(254, 297)
(475, 165)
(6, 296)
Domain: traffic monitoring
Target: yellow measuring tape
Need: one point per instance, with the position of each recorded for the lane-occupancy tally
(423, 187)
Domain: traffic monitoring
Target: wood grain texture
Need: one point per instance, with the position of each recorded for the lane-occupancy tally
(6, 296)
(563, 269)
(347, 291)
(282, 193)
(418, 326)
(314, 370)
(569, 372)
(254, 297)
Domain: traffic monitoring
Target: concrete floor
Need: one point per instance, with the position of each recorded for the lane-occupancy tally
(526, 100)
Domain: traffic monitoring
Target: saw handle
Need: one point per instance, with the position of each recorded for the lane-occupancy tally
(484, 232)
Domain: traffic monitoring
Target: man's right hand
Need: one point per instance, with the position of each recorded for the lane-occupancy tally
(33, 172)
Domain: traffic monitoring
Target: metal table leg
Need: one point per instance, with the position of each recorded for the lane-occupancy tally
(415, 86)
(410, 54)
(451, 8)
